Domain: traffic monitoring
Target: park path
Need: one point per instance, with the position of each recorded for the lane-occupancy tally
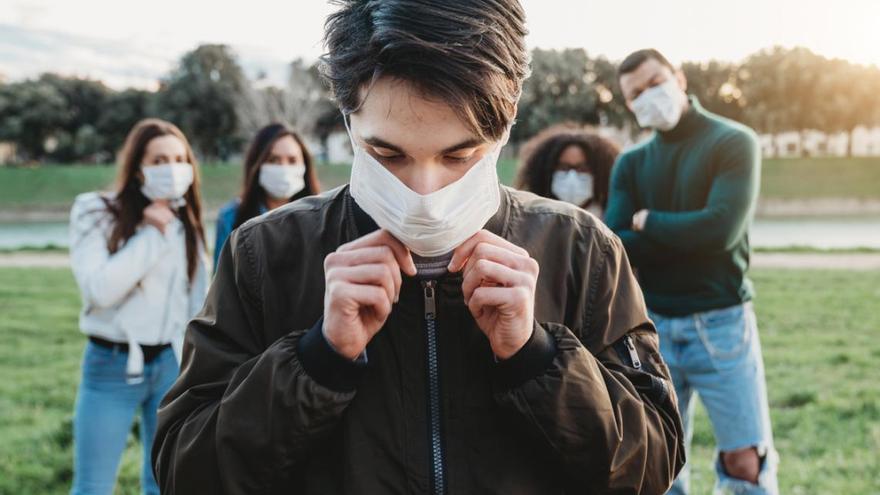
(836, 261)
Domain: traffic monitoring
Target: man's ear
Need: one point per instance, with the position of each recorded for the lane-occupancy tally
(682, 80)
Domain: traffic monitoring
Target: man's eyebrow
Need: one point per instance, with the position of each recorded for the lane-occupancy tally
(381, 143)
(641, 89)
(469, 143)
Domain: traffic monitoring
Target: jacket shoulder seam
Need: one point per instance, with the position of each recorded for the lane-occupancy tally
(598, 268)
(245, 244)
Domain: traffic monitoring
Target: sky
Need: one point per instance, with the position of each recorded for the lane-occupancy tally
(127, 44)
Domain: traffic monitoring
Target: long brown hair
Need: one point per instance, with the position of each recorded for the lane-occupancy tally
(128, 206)
(252, 194)
(540, 156)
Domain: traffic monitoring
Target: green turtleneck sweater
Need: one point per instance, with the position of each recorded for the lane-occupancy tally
(699, 182)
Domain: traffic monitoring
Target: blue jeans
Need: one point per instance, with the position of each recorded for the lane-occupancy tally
(105, 408)
(717, 354)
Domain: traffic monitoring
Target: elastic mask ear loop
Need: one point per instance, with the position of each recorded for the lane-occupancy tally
(347, 124)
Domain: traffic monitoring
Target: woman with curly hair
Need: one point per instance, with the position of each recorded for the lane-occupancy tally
(568, 163)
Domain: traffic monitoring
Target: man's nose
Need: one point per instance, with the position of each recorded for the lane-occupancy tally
(425, 178)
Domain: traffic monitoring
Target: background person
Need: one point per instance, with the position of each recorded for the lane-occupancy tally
(278, 169)
(682, 203)
(568, 163)
(138, 256)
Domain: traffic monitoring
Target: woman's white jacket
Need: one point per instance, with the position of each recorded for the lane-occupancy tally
(140, 294)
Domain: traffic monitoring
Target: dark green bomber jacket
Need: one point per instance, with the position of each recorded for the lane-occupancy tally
(263, 405)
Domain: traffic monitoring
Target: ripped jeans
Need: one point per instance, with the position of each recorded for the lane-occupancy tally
(717, 354)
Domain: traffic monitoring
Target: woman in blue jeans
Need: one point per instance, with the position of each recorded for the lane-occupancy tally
(138, 256)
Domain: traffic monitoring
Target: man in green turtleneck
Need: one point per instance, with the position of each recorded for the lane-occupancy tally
(682, 202)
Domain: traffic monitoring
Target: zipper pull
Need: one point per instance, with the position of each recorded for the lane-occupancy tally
(430, 301)
(633, 355)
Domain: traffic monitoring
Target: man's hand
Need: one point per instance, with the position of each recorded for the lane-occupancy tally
(639, 219)
(158, 214)
(499, 289)
(362, 280)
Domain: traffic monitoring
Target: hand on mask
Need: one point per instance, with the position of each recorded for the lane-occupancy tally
(158, 214)
(362, 280)
(499, 289)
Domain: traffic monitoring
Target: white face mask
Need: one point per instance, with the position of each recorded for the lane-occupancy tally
(282, 181)
(572, 186)
(660, 107)
(169, 181)
(428, 224)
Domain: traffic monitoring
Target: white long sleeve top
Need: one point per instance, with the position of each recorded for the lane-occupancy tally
(140, 294)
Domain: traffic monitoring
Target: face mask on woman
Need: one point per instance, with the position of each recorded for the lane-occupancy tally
(572, 186)
(282, 181)
(168, 181)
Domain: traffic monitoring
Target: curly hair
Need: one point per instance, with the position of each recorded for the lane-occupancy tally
(539, 158)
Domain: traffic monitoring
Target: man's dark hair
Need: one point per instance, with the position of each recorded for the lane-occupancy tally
(638, 57)
(469, 53)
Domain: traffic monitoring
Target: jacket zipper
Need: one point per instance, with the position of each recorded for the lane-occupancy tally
(633, 355)
(438, 479)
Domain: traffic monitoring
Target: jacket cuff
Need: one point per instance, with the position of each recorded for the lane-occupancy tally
(327, 367)
(532, 360)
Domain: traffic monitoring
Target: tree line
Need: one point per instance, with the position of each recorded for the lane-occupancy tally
(61, 119)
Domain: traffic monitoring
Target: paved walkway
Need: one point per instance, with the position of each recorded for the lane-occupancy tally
(836, 261)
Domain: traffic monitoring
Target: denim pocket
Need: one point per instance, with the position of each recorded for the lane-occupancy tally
(725, 333)
(102, 362)
(97, 355)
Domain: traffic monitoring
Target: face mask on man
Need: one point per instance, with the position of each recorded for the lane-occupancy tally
(168, 181)
(660, 107)
(282, 181)
(428, 224)
(572, 186)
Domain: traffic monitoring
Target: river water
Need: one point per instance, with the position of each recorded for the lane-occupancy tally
(820, 233)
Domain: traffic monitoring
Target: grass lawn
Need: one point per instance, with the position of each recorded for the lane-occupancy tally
(54, 187)
(820, 332)
(808, 178)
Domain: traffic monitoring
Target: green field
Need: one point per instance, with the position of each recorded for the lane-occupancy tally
(52, 188)
(820, 331)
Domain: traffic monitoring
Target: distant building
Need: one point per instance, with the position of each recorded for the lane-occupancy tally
(865, 142)
(338, 148)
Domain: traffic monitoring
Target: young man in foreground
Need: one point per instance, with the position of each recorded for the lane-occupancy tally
(423, 330)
